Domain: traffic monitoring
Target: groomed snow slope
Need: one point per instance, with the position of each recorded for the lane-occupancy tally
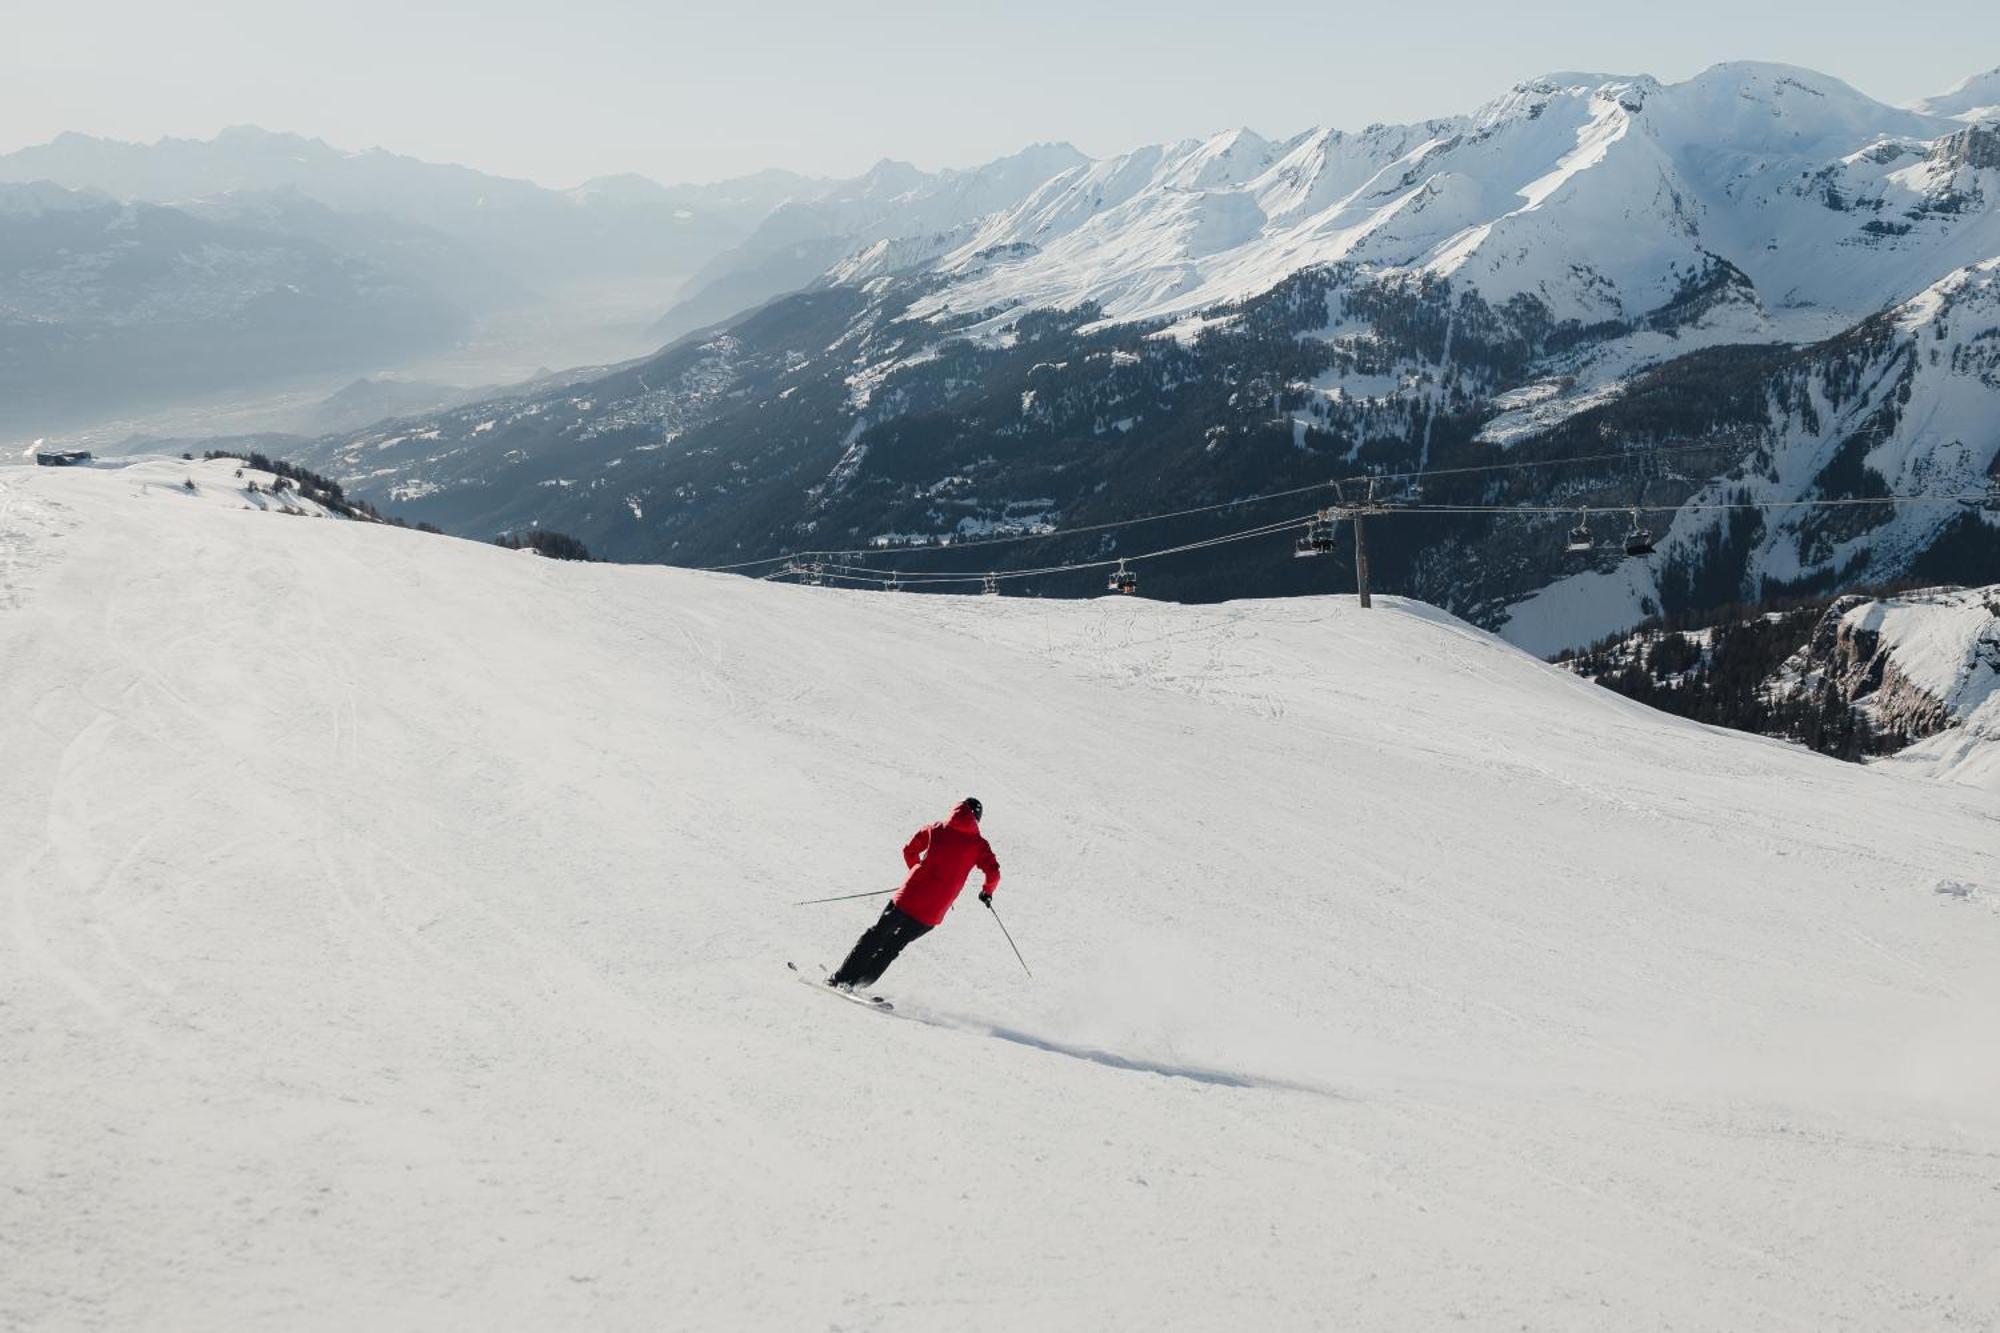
(394, 931)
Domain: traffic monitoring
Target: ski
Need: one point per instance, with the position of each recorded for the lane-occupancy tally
(861, 998)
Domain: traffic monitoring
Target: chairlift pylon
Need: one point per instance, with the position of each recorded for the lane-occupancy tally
(1123, 580)
(1580, 541)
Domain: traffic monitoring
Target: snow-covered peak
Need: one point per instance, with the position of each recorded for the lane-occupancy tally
(1599, 195)
(888, 178)
(1976, 287)
(1227, 159)
(1782, 112)
(1039, 160)
(1976, 98)
(855, 229)
(1532, 97)
(895, 200)
(1570, 81)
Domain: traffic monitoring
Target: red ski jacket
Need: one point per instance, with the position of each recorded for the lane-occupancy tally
(940, 857)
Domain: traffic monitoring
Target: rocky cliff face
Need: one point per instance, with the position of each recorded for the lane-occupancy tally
(1924, 667)
(1849, 654)
(1913, 676)
(1977, 148)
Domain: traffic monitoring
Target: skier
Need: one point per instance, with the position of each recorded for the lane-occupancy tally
(940, 857)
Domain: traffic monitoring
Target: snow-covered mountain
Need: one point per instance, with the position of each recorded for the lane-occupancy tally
(1902, 404)
(418, 255)
(537, 277)
(893, 205)
(396, 930)
(106, 305)
(1974, 99)
(624, 226)
(1755, 287)
(1596, 196)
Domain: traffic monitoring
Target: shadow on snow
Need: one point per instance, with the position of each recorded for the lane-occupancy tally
(1112, 1060)
(1219, 1078)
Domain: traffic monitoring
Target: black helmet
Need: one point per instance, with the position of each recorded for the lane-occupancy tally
(972, 803)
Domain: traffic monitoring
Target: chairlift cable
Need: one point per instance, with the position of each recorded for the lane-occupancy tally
(1334, 483)
(819, 571)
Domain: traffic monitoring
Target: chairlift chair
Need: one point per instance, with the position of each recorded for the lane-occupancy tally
(1320, 538)
(892, 583)
(1123, 580)
(1580, 541)
(1639, 541)
(991, 588)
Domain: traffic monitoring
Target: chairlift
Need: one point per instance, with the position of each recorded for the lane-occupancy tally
(1319, 539)
(1639, 541)
(1580, 541)
(991, 588)
(815, 576)
(892, 583)
(1123, 580)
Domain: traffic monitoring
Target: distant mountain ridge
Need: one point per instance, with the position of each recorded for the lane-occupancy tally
(470, 251)
(1637, 182)
(1760, 262)
(115, 304)
(616, 225)
(805, 237)
(1974, 99)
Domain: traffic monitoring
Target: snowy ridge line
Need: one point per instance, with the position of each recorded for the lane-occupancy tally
(1503, 199)
(1335, 482)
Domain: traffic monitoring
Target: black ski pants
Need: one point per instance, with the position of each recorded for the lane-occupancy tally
(878, 946)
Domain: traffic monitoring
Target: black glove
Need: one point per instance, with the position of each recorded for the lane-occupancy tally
(986, 898)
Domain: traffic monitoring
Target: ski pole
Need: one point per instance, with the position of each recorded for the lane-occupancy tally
(1010, 937)
(844, 897)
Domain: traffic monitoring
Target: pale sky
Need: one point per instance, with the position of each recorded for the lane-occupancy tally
(559, 92)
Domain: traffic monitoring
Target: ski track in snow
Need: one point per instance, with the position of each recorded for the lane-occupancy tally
(395, 932)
